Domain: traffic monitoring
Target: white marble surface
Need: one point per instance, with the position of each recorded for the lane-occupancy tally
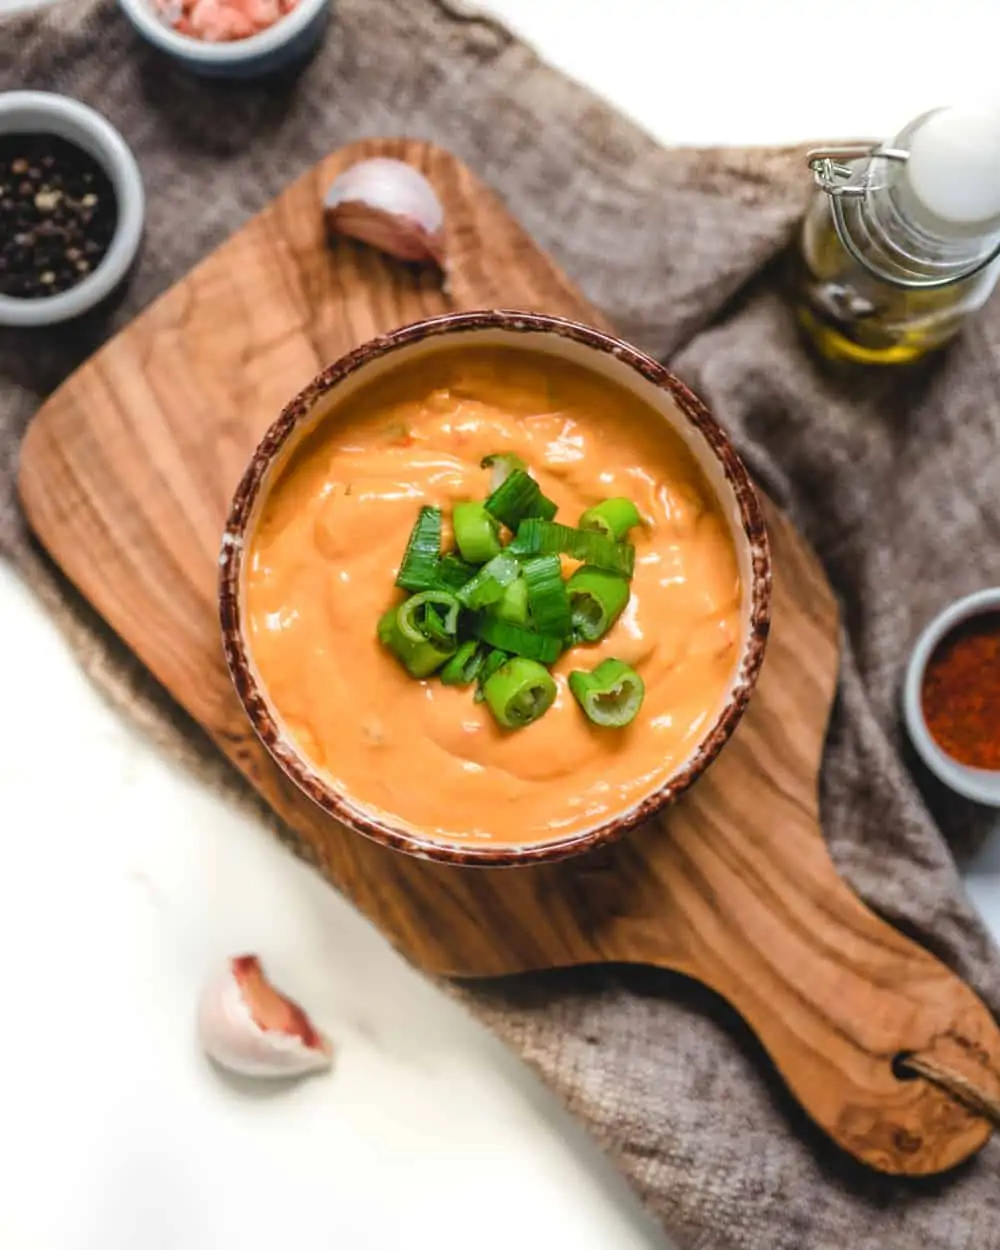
(120, 884)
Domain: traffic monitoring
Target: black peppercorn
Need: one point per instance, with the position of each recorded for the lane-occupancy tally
(57, 215)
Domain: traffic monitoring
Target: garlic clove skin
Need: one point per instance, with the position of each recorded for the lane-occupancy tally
(389, 205)
(249, 1027)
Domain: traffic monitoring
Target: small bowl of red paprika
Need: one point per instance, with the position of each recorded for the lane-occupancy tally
(951, 698)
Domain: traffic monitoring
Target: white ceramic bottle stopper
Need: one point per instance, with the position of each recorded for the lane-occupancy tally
(950, 185)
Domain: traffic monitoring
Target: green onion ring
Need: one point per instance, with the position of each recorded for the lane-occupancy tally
(519, 692)
(611, 695)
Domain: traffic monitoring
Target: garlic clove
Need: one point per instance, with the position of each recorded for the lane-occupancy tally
(389, 205)
(249, 1027)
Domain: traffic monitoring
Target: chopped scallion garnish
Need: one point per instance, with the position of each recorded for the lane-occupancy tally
(419, 655)
(489, 583)
(519, 496)
(513, 606)
(465, 665)
(548, 603)
(419, 568)
(613, 518)
(611, 695)
(538, 538)
(519, 641)
(476, 532)
(453, 573)
(497, 616)
(433, 614)
(490, 665)
(501, 465)
(597, 599)
(519, 692)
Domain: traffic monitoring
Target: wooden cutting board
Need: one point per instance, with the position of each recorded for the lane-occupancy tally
(126, 477)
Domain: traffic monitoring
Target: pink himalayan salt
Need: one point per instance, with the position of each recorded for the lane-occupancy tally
(218, 21)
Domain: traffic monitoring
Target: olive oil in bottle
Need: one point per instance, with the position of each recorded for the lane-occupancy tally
(903, 241)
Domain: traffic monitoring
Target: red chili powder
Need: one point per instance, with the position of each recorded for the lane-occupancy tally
(961, 692)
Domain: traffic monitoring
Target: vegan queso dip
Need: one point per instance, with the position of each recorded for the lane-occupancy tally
(329, 543)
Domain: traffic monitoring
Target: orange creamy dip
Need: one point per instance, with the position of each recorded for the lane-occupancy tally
(327, 549)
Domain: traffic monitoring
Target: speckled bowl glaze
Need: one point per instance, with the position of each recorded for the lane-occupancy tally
(604, 355)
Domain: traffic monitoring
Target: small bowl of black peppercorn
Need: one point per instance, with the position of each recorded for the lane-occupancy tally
(71, 208)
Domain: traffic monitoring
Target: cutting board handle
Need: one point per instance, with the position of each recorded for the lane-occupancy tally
(886, 1048)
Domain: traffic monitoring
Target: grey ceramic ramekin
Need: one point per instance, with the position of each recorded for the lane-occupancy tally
(283, 45)
(979, 784)
(43, 112)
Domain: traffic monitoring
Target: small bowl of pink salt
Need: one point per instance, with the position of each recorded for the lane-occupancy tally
(231, 38)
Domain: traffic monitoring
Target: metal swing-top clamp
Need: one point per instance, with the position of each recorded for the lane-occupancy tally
(833, 175)
(832, 170)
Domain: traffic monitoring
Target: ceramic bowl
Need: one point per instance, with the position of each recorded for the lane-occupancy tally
(979, 784)
(288, 42)
(599, 353)
(27, 112)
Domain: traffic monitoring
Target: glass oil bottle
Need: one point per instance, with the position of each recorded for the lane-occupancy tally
(902, 242)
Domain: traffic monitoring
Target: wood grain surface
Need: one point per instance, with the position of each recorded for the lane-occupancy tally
(126, 476)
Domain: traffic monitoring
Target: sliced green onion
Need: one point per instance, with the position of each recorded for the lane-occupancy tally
(514, 604)
(519, 496)
(419, 568)
(501, 465)
(597, 599)
(611, 695)
(453, 573)
(386, 626)
(419, 655)
(465, 665)
(489, 583)
(493, 661)
(520, 641)
(547, 598)
(476, 532)
(613, 518)
(433, 615)
(519, 692)
(549, 538)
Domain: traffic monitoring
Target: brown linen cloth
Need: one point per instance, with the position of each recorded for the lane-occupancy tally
(892, 476)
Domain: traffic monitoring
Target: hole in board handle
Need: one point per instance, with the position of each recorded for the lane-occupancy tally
(900, 1066)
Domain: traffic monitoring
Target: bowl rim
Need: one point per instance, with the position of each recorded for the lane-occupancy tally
(982, 785)
(228, 52)
(368, 823)
(89, 130)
